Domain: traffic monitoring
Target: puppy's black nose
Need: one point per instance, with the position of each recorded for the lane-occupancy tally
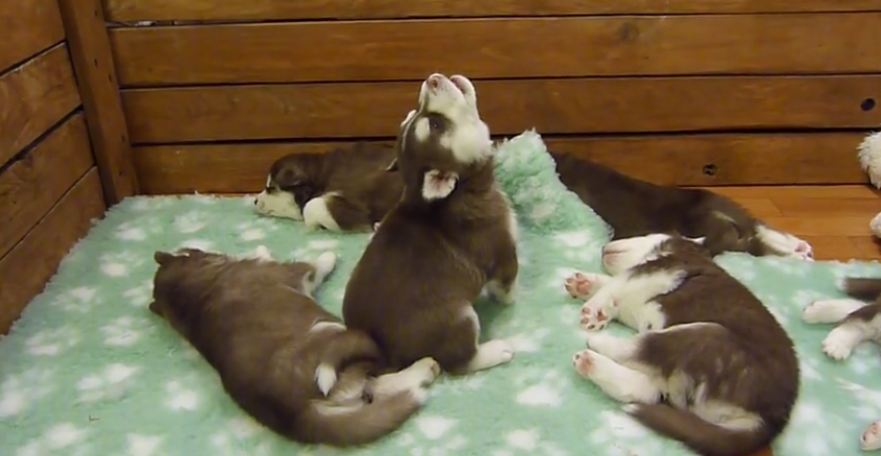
(255, 201)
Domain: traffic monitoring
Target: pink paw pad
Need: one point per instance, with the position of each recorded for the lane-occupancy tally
(593, 319)
(871, 438)
(582, 363)
(578, 285)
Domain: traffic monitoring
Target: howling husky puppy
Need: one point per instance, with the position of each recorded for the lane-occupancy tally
(342, 190)
(637, 208)
(711, 367)
(451, 234)
(278, 353)
(859, 320)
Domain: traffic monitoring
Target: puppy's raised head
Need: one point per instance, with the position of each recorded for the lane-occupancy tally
(442, 142)
(289, 187)
(623, 254)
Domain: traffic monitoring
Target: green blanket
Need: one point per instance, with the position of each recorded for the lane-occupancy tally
(88, 370)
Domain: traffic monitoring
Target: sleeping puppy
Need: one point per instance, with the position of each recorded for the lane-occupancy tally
(451, 234)
(858, 320)
(710, 367)
(342, 190)
(637, 208)
(286, 361)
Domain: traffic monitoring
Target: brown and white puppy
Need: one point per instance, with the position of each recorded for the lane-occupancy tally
(343, 190)
(710, 367)
(451, 234)
(282, 358)
(638, 208)
(858, 320)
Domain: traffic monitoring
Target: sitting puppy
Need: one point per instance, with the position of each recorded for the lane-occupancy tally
(858, 320)
(711, 367)
(342, 190)
(451, 234)
(278, 353)
(637, 208)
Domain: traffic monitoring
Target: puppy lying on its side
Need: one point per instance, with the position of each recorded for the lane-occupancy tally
(342, 190)
(859, 320)
(637, 208)
(451, 234)
(278, 353)
(711, 367)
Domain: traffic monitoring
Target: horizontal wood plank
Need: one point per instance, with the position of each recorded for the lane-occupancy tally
(28, 27)
(607, 105)
(33, 98)
(30, 186)
(739, 159)
(499, 48)
(27, 267)
(230, 10)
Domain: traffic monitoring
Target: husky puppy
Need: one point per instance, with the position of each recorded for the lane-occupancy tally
(858, 320)
(451, 234)
(710, 367)
(637, 208)
(346, 189)
(278, 353)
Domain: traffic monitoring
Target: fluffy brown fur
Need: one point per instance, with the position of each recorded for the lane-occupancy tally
(716, 371)
(255, 323)
(637, 208)
(413, 288)
(357, 188)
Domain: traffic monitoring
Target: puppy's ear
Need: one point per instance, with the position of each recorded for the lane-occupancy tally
(162, 257)
(285, 178)
(393, 166)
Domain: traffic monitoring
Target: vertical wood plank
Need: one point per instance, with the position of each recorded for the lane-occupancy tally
(96, 75)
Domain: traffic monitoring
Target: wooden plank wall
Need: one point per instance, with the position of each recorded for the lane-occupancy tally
(690, 92)
(49, 186)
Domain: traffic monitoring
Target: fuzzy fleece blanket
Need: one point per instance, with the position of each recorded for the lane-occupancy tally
(88, 370)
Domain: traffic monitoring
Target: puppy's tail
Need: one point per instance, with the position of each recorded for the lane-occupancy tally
(356, 423)
(343, 348)
(701, 436)
(863, 288)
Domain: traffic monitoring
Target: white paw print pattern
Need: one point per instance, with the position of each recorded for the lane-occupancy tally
(19, 392)
(180, 398)
(541, 391)
(120, 264)
(80, 299)
(124, 331)
(434, 427)
(52, 342)
(190, 222)
(130, 231)
(57, 439)
(529, 341)
(620, 430)
(141, 295)
(143, 445)
(110, 384)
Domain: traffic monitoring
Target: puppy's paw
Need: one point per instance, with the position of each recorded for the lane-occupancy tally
(325, 263)
(583, 363)
(499, 292)
(581, 284)
(871, 438)
(803, 251)
(838, 344)
(427, 369)
(593, 317)
(438, 184)
(325, 378)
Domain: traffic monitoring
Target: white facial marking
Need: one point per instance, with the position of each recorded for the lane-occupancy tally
(422, 129)
(467, 137)
(830, 310)
(278, 204)
(438, 185)
(316, 213)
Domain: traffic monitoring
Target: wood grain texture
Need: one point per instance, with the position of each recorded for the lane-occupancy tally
(739, 159)
(90, 51)
(499, 48)
(33, 97)
(26, 268)
(602, 105)
(30, 186)
(228, 10)
(28, 28)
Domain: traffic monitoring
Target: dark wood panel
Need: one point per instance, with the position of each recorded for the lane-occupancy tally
(33, 97)
(25, 270)
(499, 48)
(30, 186)
(93, 61)
(732, 159)
(205, 10)
(29, 27)
(351, 110)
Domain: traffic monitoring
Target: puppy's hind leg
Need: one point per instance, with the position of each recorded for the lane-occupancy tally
(463, 354)
(323, 265)
(862, 324)
(414, 378)
(622, 383)
(502, 284)
(830, 310)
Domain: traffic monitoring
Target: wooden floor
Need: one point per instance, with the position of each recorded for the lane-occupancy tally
(834, 219)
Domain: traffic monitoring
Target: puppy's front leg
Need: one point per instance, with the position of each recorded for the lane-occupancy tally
(583, 285)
